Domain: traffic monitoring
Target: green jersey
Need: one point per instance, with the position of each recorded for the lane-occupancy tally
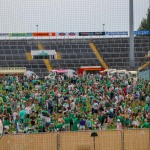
(59, 125)
(75, 124)
(26, 122)
(146, 125)
(67, 120)
(9, 110)
(6, 123)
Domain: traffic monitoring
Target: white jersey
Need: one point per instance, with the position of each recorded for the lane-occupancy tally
(1, 127)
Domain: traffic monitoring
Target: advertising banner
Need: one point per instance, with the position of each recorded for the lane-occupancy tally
(91, 33)
(62, 34)
(53, 34)
(86, 33)
(29, 34)
(20, 34)
(99, 33)
(142, 32)
(4, 34)
(71, 34)
(41, 34)
(117, 33)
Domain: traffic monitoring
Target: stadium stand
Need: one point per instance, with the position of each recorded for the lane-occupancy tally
(116, 50)
(13, 54)
(72, 53)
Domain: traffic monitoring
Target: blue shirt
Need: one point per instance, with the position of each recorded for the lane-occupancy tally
(83, 122)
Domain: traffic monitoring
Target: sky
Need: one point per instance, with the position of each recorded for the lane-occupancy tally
(22, 16)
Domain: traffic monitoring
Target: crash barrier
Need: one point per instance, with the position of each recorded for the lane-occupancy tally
(12, 70)
(86, 140)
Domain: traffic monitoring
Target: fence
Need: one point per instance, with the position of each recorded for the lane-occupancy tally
(106, 140)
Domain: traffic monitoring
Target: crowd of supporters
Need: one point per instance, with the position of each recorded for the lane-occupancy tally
(90, 102)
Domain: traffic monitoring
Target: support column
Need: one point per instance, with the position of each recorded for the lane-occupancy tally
(131, 35)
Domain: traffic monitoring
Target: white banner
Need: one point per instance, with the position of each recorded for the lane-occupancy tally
(43, 52)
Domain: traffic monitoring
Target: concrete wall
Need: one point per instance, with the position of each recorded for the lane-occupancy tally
(106, 140)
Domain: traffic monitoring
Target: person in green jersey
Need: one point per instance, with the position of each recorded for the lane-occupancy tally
(1, 100)
(146, 125)
(18, 124)
(75, 124)
(66, 122)
(1, 108)
(40, 126)
(9, 109)
(59, 126)
(26, 121)
(6, 123)
(22, 114)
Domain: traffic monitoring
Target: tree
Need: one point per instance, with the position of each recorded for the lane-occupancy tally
(145, 23)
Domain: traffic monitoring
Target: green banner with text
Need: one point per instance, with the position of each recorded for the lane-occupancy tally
(21, 34)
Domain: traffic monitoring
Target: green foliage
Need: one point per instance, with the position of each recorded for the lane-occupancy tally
(145, 23)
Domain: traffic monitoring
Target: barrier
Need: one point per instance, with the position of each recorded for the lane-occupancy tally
(76, 141)
(136, 140)
(12, 70)
(110, 140)
(29, 142)
(106, 140)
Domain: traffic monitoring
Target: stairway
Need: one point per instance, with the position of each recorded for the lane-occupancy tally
(46, 61)
(58, 56)
(29, 57)
(144, 65)
(99, 57)
(48, 65)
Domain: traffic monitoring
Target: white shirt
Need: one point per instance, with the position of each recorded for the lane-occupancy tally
(119, 126)
(72, 105)
(33, 106)
(147, 99)
(40, 114)
(1, 127)
(126, 82)
(116, 97)
(129, 110)
(71, 87)
(47, 119)
(95, 105)
(121, 97)
(62, 77)
(28, 110)
(14, 115)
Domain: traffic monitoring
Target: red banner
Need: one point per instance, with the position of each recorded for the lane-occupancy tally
(53, 33)
(41, 34)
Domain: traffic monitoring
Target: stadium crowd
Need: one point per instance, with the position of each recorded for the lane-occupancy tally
(90, 102)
